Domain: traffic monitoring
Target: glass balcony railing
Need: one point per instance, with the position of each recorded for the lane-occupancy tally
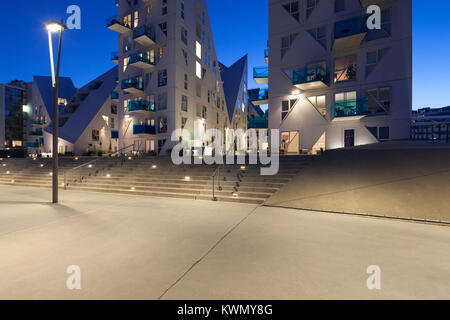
(350, 27)
(141, 105)
(114, 134)
(115, 20)
(351, 108)
(309, 74)
(114, 95)
(132, 83)
(144, 128)
(33, 144)
(141, 57)
(255, 95)
(38, 122)
(258, 123)
(144, 31)
(37, 133)
(260, 72)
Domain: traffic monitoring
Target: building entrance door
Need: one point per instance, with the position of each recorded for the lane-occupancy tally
(349, 138)
(290, 142)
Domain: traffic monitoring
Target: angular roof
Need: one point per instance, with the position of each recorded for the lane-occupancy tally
(66, 90)
(89, 99)
(232, 79)
(257, 109)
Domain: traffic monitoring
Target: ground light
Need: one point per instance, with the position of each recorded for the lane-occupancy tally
(7, 172)
(108, 175)
(187, 178)
(154, 167)
(55, 27)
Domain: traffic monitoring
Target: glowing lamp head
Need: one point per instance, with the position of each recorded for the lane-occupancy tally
(55, 26)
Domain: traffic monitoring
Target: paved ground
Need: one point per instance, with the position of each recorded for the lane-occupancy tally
(150, 248)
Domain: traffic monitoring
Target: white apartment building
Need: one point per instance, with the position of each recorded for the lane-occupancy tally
(169, 74)
(333, 82)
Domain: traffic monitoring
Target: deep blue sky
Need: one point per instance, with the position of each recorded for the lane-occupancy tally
(239, 26)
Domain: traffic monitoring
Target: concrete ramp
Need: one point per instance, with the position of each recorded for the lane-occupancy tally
(400, 179)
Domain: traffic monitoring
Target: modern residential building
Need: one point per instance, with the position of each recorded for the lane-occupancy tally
(333, 82)
(88, 123)
(169, 74)
(41, 111)
(14, 119)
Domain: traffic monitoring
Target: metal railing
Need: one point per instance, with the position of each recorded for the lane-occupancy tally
(215, 175)
(79, 174)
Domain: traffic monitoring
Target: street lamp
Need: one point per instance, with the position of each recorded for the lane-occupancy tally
(55, 27)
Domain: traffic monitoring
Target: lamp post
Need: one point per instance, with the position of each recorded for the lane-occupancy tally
(55, 27)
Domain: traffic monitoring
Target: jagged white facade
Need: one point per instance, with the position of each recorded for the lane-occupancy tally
(169, 75)
(334, 83)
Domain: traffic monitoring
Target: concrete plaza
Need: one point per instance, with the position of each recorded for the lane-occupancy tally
(133, 247)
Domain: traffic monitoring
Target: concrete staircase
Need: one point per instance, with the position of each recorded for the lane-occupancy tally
(155, 176)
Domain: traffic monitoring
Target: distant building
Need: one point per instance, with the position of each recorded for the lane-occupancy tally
(14, 119)
(333, 82)
(431, 124)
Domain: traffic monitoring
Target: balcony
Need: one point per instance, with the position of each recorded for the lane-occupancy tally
(351, 108)
(114, 134)
(142, 60)
(261, 75)
(114, 95)
(133, 85)
(144, 129)
(310, 78)
(258, 96)
(116, 24)
(366, 3)
(38, 122)
(141, 106)
(145, 36)
(115, 57)
(36, 133)
(349, 34)
(32, 145)
(266, 55)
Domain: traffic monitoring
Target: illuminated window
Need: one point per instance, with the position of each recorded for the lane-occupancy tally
(198, 70)
(198, 49)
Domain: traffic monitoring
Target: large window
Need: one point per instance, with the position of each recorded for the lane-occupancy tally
(184, 35)
(373, 58)
(345, 69)
(320, 35)
(164, 7)
(198, 70)
(162, 78)
(184, 103)
(198, 49)
(339, 6)
(162, 101)
(95, 135)
(293, 9)
(310, 6)
(286, 107)
(286, 43)
(320, 103)
(162, 125)
(379, 100)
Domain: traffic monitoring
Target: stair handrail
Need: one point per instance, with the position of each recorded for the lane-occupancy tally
(78, 168)
(216, 174)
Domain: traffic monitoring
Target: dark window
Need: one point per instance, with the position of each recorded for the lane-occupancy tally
(339, 5)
